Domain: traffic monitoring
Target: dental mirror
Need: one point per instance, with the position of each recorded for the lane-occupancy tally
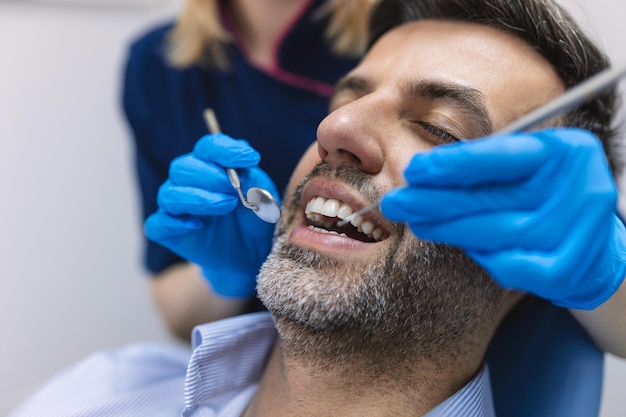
(266, 206)
(257, 199)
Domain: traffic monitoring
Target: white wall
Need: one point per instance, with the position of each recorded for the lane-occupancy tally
(70, 276)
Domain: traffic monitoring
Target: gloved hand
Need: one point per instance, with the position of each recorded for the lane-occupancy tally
(536, 210)
(201, 219)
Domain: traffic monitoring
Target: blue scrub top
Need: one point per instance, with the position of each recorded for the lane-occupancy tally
(277, 110)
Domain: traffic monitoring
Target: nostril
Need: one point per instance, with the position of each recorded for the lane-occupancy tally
(340, 157)
(351, 137)
(348, 156)
(323, 153)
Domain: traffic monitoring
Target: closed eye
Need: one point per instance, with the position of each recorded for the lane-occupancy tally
(441, 135)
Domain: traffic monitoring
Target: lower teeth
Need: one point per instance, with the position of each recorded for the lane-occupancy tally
(332, 232)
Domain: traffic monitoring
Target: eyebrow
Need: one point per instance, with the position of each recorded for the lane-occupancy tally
(352, 83)
(469, 100)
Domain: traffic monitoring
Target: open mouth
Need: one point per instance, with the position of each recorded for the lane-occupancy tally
(324, 213)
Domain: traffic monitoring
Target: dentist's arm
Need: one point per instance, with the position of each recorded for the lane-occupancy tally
(185, 299)
(536, 210)
(201, 219)
(606, 324)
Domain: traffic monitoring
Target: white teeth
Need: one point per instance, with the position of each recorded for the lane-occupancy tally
(344, 211)
(367, 227)
(315, 205)
(316, 217)
(357, 221)
(319, 209)
(330, 208)
(331, 232)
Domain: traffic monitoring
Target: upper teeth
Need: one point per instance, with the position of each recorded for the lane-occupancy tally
(334, 208)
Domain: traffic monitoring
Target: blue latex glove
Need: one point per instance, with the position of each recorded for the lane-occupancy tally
(201, 219)
(536, 210)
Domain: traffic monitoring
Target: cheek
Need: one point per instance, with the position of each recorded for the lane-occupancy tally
(305, 165)
(399, 157)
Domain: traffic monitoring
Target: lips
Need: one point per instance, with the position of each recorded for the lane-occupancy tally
(324, 213)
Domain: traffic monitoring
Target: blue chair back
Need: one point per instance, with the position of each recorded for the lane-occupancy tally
(543, 364)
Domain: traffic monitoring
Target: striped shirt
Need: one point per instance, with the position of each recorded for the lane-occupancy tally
(221, 377)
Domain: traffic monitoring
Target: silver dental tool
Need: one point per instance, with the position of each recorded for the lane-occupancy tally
(583, 91)
(258, 199)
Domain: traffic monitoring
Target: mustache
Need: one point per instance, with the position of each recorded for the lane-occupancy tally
(363, 183)
(346, 173)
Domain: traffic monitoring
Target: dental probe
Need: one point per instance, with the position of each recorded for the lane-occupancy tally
(583, 91)
(258, 199)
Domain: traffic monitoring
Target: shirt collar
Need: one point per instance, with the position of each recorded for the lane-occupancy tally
(231, 354)
(473, 400)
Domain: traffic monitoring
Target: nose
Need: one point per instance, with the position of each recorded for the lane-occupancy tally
(350, 134)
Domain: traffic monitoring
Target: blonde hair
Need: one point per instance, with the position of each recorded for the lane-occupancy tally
(199, 36)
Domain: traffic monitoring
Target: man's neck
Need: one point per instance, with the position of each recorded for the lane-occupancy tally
(290, 387)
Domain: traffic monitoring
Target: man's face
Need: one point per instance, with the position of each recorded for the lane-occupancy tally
(421, 85)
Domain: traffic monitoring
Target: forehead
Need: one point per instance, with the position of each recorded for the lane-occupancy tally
(512, 76)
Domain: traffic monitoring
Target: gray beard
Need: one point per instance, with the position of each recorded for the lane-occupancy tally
(420, 301)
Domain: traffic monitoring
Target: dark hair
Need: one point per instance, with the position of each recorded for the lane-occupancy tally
(546, 27)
